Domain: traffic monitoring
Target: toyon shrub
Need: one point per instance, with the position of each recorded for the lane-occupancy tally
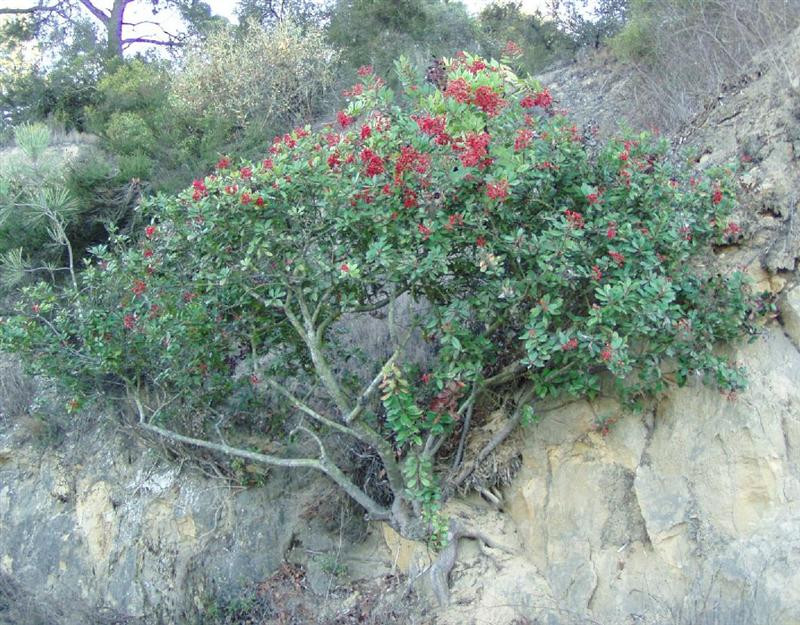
(533, 267)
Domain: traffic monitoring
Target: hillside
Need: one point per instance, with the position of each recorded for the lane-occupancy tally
(686, 513)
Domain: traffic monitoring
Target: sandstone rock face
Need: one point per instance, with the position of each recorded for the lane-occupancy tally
(689, 511)
(698, 497)
(106, 526)
(790, 314)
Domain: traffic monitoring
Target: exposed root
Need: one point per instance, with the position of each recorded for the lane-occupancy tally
(440, 570)
(492, 496)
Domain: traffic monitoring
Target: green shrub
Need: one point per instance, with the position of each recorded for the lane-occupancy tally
(32, 140)
(53, 204)
(32, 199)
(128, 133)
(136, 166)
(257, 77)
(148, 134)
(540, 41)
(634, 43)
(534, 267)
(371, 32)
(134, 86)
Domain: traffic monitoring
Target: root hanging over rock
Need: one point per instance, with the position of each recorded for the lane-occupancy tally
(499, 467)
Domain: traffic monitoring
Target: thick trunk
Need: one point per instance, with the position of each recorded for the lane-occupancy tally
(111, 22)
(114, 27)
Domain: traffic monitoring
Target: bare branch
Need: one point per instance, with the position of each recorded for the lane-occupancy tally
(98, 13)
(287, 310)
(305, 408)
(156, 42)
(372, 307)
(366, 395)
(470, 405)
(374, 510)
(301, 428)
(29, 10)
(152, 23)
(508, 373)
(323, 298)
(313, 342)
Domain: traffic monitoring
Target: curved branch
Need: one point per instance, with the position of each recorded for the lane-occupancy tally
(508, 373)
(301, 428)
(313, 342)
(373, 306)
(98, 13)
(375, 510)
(366, 395)
(470, 405)
(303, 407)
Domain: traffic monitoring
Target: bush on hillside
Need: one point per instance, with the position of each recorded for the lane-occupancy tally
(536, 269)
(152, 138)
(540, 41)
(370, 32)
(259, 78)
(55, 201)
(37, 83)
(590, 27)
(36, 209)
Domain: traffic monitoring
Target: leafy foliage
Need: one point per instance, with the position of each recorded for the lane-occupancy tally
(55, 201)
(35, 206)
(372, 32)
(152, 137)
(270, 12)
(35, 87)
(532, 263)
(539, 39)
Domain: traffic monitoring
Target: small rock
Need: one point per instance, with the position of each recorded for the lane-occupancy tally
(61, 489)
(790, 313)
(777, 283)
(6, 455)
(760, 278)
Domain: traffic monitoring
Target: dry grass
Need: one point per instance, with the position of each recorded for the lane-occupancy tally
(285, 598)
(685, 50)
(17, 390)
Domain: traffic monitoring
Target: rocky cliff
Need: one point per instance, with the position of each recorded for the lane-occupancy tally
(686, 513)
(689, 512)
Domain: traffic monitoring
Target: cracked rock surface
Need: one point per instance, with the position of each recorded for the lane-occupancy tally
(690, 511)
(671, 502)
